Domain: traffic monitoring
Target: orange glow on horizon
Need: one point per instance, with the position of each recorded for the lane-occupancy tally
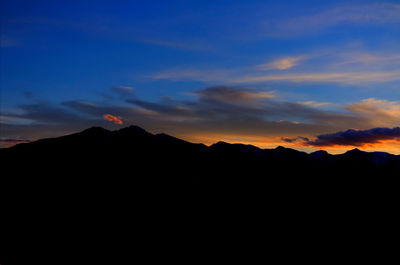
(209, 139)
(271, 142)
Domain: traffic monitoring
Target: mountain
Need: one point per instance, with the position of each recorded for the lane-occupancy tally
(99, 150)
(100, 190)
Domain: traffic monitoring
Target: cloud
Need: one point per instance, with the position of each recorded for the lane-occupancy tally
(114, 119)
(293, 140)
(233, 95)
(380, 112)
(204, 75)
(281, 64)
(349, 15)
(315, 103)
(331, 77)
(123, 90)
(240, 76)
(368, 59)
(44, 113)
(349, 67)
(355, 137)
(4, 119)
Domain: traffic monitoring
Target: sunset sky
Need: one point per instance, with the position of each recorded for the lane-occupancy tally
(308, 75)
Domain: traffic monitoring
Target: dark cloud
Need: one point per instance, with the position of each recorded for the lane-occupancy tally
(293, 140)
(355, 137)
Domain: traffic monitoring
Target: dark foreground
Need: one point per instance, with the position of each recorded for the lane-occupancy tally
(114, 196)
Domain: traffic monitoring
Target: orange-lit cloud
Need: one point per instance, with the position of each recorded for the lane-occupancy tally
(281, 64)
(114, 119)
(378, 112)
(335, 77)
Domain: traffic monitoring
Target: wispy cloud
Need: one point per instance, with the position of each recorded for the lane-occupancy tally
(204, 75)
(234, 95)
(281, 64)
(368, 59)
(123, 90)
(381, 112)
(103, 27)
(351, 66)
(355, 15)
(236, 77)
(316, 104)
(344, 77)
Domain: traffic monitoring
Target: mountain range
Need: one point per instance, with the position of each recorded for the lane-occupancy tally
(97, 190)
(132, 146)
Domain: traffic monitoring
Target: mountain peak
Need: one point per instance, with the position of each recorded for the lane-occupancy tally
(133, 129)
(280, 148)
(355, 151)
(220, 143)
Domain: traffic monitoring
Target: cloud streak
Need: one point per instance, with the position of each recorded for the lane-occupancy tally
(114, 119)
(123, 90)
(232, 95)
(330, 77)
(338, 66)
(350, 15)
(281, 64)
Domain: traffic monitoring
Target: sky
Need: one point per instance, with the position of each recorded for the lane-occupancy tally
(308, 75)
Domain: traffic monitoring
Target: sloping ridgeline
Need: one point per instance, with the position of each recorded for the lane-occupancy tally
(103, 191)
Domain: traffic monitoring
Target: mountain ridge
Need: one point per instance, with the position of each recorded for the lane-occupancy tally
(112, 180)
(159, 154)
(138, 131)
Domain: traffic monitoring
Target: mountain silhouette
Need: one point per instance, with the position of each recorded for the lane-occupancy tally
(99, 189)
(99, 150)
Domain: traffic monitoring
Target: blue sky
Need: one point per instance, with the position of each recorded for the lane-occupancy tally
(336, 61)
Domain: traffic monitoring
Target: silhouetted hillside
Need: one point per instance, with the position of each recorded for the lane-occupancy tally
(99, 189)
(97, 149)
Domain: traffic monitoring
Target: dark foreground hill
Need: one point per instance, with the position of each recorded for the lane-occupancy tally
(105, 195)
(132, 149)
